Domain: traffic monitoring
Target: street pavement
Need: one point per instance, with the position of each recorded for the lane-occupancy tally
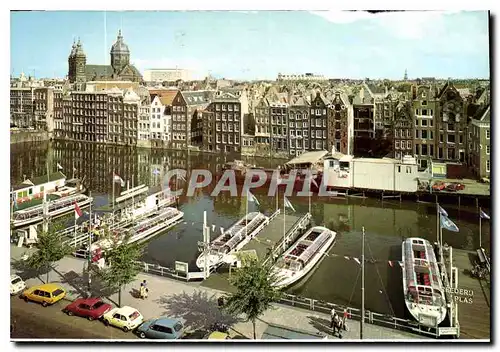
(30, 320)
(196, 304)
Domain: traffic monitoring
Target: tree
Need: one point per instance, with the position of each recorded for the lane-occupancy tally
(122, 266)
(254, 290)
(50, 249)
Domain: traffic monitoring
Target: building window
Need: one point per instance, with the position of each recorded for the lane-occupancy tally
(487, 150)
(424, 122)
(397, 144)
(424, 102)
(488, 134)
(451, 138)
(408, 169)
(408, 144)
(488, 165)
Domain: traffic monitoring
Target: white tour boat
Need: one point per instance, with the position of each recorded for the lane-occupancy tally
(422, 285)
(303, 255)
(233, 239)
(145, 229)
(55, 208)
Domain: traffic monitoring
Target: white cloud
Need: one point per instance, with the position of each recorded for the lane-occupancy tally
(405, 24)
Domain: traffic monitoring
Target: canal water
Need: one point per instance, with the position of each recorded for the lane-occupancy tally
(336, 279)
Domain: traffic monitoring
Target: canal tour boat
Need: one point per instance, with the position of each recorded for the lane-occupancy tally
(55, 208)
(146, 228)
(233, 239)
(303, 256)
(422, 285)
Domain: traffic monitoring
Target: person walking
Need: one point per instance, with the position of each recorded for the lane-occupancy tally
(332, 320)
(344, 318)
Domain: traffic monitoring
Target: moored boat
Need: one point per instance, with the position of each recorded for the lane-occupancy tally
(161, 220)
(422, 285)
(55, 208)
(233, 239)
(303, 256)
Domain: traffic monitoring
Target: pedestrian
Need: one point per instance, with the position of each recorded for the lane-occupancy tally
(344, 318)
(141, 291)
(332, 320)
(338, 322)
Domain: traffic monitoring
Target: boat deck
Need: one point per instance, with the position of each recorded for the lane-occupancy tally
(474, 317)
(270, 235)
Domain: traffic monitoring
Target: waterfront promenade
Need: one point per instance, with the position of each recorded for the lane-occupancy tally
(197, 304)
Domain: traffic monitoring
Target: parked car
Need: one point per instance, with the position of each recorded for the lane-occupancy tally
(438, 186)
(45, 294)
(125, 318)
(485, 180)
(217, 335)
(455, 186)
(162, 328)
(90, 308)
(16, 285)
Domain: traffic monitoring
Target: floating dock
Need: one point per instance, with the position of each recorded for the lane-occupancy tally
(473, 297)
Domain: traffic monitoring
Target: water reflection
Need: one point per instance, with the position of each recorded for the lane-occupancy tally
(386, 223)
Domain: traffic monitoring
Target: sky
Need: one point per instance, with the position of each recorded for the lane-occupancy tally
(249, 45)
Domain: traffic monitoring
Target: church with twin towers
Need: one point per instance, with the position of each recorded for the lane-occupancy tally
(119, 70)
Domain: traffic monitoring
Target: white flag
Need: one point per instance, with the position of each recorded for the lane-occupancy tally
(59, 167)
(117, 178)
(288, 204)
(251, 198)
(357, 260)
(221, 230)
(213, 228)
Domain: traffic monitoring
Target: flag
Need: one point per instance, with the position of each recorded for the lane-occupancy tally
(448, 224)
(213, 228)
(288, 204)
(251, 198)
(221, 230)
(156, 172)
(117, 178)
(78, 211)
(357, 260)
(390, 263)
(442, 211)
(59, 167)
(483, 215)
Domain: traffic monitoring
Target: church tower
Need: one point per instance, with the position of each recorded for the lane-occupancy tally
(71, 64)
(80, 61)
(406, 74)
(120, 54)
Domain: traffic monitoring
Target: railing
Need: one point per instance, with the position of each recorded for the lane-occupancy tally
(355, 314)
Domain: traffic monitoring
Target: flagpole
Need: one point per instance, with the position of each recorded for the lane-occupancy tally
(284, 223)
(246, 215)
(90, 244)
(437, 224)
(480, 244)
(113, 200)
(310, 174)
(74, 235)
(362, 323)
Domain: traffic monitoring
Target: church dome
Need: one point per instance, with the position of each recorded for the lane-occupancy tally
(119, 47)
(79, 50)
(73, 50)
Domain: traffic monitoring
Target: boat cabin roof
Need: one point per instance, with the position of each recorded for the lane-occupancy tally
(40, 180)
(308, 245)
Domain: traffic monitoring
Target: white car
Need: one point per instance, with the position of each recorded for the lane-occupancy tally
(16, 284)
(125, 318)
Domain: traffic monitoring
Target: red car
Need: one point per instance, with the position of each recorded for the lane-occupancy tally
(90, 308)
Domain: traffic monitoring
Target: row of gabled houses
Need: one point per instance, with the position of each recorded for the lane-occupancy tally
(430, 122)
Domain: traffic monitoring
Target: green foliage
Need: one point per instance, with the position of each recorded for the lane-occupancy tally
(254, 291)
(122, 268)
(50, 249)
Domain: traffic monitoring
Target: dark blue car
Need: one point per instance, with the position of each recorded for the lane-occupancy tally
(162, 328)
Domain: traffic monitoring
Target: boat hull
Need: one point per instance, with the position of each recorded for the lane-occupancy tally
(429, 315)
(52, 214)
(289, 277)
